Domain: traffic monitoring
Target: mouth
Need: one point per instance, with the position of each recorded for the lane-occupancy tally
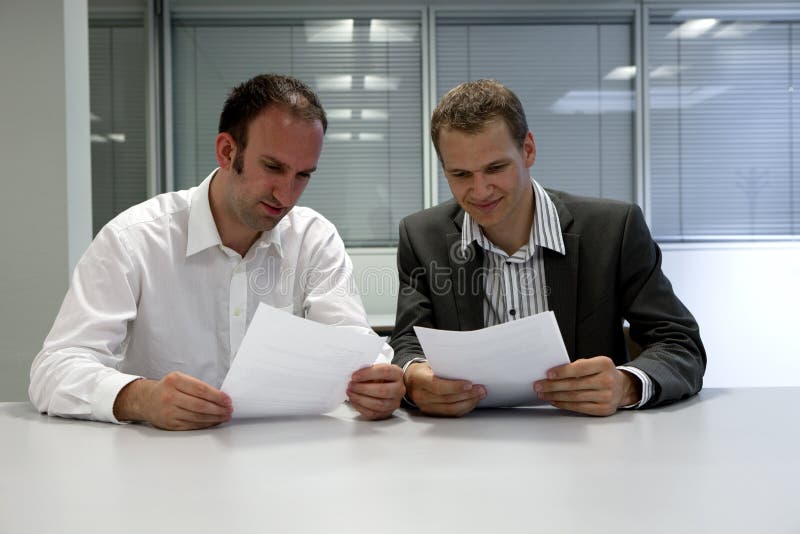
(486, 206)
(271, 210)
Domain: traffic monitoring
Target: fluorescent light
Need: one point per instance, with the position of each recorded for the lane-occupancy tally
(329, 31)
(692, 29)
(335, 83)
(117, 137)
(94, 118)
(392, 31)
(95, 138)
(684, 97)
(340, 136)
(366, 136)
(665, 71)
(340, 113)
(594, 102)
(736, 30)
(374, 114)
(381, 83)
(621, 73)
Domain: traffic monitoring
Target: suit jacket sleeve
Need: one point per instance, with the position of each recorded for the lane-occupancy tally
(673, 354)
(413, 302)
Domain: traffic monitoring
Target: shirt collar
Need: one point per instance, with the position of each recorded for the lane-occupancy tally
(545, 231)
(202, 230)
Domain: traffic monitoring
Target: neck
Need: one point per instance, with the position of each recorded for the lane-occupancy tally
(232, 233)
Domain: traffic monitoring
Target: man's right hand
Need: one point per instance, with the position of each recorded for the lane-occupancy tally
(176, 402)
(438, 396)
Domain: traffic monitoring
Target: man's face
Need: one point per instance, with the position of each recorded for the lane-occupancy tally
(282, 151)
(488, 174)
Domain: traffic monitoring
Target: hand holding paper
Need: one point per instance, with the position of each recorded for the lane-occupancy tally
(506, 358)
(287, 365)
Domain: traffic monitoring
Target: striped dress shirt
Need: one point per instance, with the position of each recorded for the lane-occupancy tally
(515, 285)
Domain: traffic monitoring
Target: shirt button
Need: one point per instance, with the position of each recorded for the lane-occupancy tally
(237, 312)
(239, 269)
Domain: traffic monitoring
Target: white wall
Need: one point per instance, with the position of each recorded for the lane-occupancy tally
(35, 40)
(745, 299)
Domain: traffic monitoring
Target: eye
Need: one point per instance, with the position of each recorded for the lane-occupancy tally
(272, 167)
(496, 168)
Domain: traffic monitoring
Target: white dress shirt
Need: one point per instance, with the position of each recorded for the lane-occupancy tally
(157, 292)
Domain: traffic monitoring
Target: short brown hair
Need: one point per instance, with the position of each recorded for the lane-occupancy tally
(247, 100)
(470, 106)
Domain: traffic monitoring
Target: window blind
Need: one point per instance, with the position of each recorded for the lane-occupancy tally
(575, 80)
(723, 126)
(117, 100)
(368, 74)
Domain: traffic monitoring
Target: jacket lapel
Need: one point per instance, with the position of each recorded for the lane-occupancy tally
(561, 276)
(466, 269)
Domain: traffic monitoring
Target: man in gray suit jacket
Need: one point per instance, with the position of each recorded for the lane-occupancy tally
(506, 248)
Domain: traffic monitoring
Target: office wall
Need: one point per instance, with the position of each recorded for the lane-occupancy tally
(43, 223)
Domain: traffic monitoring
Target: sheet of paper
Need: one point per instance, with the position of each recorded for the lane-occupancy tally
(287, 365)
(506, 358)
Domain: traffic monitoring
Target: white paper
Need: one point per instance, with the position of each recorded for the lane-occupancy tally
(287, 365)
(506, 358)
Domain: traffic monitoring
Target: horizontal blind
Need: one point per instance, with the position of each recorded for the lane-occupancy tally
(368, 75)
(574, 79)
(723, 127)
(117, 100)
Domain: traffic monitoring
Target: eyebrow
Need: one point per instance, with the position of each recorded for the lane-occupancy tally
(276, 161)
(501, 161)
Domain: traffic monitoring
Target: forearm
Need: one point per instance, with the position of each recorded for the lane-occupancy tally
(73, 382)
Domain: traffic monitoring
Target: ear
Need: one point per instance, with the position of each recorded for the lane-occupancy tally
(529, 149)
(225, 148)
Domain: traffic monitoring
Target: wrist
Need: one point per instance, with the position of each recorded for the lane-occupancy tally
(631, 389)
(130, 402)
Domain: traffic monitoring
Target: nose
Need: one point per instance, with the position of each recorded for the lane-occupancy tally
(481, 186)
(283, 189)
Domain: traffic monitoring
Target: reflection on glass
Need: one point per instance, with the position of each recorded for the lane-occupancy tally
(339, 113)
(374, 114)
(692, 29)
(393, 31)
(594, 102)
(627, 72)
(329, 31)
(342, 82)
(381, 83)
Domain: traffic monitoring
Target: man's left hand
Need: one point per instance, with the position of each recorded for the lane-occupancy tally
(376, 391)
(593, 386)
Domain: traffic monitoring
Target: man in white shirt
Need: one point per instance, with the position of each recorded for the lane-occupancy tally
(159, 303)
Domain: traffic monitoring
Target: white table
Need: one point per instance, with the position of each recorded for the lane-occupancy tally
(725, 461)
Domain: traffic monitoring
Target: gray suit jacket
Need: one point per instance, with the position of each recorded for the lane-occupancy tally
(611, 271)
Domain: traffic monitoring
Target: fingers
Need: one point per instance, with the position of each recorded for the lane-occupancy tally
(182, 402)
(196, 388)
(371, 407)
(580, 368)
(450, 409)
(592, 386)
(376, 391)
(588, 408)
(378, 372)
(440, 396)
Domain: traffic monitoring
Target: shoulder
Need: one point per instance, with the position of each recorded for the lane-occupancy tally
(152, 212)
(306, 224)
(436, 219)
(592, 214)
